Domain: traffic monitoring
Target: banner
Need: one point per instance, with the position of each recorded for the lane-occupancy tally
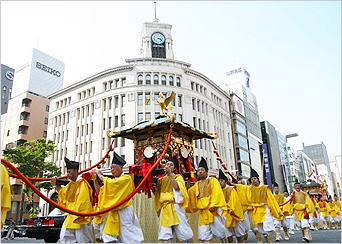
(266, 165)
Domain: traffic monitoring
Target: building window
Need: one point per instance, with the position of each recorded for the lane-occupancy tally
(192, 85)
(105, 86)
(171, 80)
(123, 81)
(122, 142)
(46, 121)
(115, 142)
(147, 116)
(179, 103)
(140, 79)
(92, 127)
(104, 105)
(140, 117)
(194, 120)
(109, 122)
(163, 80)
(180, 117)
(116, 83)
(156, 79)
(140, 99)
(22, 129)
(116, 121)
(123, 120)
(109, 105)
(156, 96)
(148, 79)
(26, 102)
(178, 82)
(24, 115)
(116, 101)
(4, 92)
(47, 108)
(147, 98)
(193, 104)
(104, 124)
(8, 132)
(156, 114)
(123, 100)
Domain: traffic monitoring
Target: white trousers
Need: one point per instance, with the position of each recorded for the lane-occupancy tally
(246, 223)
(183, 231)
(217, 229)
(290, 222)
(82, 235)
(130, 230)
(238, 230)
(280, 223)
(304, 223)
(268, 224)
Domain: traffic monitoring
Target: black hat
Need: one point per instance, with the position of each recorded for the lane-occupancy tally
(297, 182)
(222, 175)
(71, 164)
(275, 184)
(254, 173)
(118, 160)
(203, 164)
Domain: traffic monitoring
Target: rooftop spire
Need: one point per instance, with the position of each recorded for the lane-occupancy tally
(155, 12)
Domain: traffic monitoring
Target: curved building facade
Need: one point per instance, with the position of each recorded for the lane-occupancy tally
(119, 98)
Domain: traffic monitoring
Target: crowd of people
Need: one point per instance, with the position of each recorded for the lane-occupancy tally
(227, 211)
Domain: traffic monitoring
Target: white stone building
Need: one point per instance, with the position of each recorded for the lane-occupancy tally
(120, 97)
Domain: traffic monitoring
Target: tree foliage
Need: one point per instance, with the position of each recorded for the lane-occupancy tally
(30, 159)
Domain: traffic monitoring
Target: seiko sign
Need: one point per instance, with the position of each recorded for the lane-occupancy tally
(9, 75)
(48, 69)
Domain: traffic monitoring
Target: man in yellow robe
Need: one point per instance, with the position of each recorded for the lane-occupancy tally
(120, 224)
(262, 207)
(171, 199)
(234, 217)
(76, 195)
(288, 213)
(278, 222)
(332, 213)
(5, 194)
(323, 213)
(206, 196)
(303, 208)
(337, 205)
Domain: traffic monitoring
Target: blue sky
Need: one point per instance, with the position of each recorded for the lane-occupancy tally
(291, 49)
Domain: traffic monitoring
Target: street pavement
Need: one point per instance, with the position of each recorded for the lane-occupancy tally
(319, 236)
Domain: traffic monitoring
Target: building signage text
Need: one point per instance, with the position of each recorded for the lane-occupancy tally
(48, 69)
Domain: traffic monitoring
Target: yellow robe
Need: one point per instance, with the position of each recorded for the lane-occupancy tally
(323, 208)
(258, 197)
(113, 191)
(5, 193)
(76, 196)
(332, 210)
(165, 199)
(234, 208)
(280, 200)
(301, 203)
(206, 194)
(337, 207)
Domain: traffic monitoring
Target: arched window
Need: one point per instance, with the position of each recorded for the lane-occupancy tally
(163, 80)
(156, 79)
(178, 82)
(148, 79)
(140, 79)
(171, 80)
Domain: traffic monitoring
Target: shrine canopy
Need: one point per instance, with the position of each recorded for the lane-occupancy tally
(159, 127)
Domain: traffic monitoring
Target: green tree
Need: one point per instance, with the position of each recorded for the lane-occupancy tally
(30, 159)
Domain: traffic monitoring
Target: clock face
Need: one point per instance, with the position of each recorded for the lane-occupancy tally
(158, 38)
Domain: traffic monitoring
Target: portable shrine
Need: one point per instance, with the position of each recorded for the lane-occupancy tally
(149, 141)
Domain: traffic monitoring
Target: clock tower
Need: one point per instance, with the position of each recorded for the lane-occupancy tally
(156, 40)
